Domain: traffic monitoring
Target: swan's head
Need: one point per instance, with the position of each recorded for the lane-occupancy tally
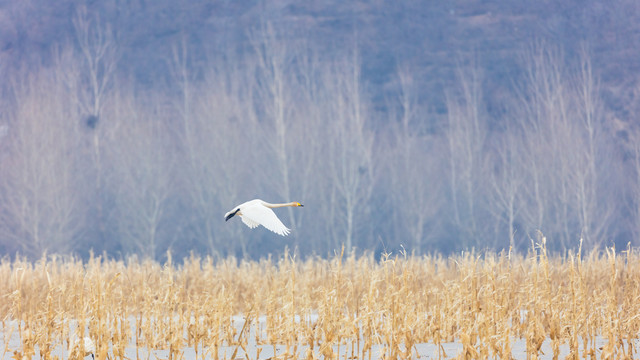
(230, 214)
(297, 204)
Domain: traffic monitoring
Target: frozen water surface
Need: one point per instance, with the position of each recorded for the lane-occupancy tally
(449, 350)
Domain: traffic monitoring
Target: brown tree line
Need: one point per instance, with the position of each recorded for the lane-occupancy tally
(90, 160)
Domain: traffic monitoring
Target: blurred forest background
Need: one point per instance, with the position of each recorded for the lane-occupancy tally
(131, 127)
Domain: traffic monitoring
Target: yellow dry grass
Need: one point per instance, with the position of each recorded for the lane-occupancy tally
(314, 307)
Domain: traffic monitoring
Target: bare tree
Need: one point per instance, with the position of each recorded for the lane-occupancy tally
(466, 135)
(220, 142)
(90, 79)
(507, 181)
(593, 193)
(306, 148)
(143, 164)
(547, 128)
(415, 185)
(276, 83)
(633, 187)
(40, 190)
(98, 49)
(350, 152)
(564, 133)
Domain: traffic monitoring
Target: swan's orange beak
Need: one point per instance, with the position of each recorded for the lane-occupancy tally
(298, 204)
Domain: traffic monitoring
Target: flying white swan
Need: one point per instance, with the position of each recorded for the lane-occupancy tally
(257, 212)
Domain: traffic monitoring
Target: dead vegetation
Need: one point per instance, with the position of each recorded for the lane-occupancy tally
(315, 308)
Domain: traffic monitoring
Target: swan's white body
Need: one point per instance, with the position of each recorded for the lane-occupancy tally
(75, 349)
(257, 212)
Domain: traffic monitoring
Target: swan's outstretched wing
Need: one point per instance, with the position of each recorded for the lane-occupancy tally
(250, 223)
(260, 214)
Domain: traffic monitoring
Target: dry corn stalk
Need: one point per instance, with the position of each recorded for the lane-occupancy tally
(339, 307)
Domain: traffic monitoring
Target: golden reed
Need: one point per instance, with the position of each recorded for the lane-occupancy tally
(326, 307)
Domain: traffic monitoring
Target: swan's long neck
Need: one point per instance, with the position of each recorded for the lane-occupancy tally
(269, 205)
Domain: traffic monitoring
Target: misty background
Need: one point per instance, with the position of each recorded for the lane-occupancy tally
(131, 127)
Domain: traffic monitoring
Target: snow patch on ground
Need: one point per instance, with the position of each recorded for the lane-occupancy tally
(10, 342)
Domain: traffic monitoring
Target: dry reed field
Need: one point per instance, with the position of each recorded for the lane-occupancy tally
(343, 307)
